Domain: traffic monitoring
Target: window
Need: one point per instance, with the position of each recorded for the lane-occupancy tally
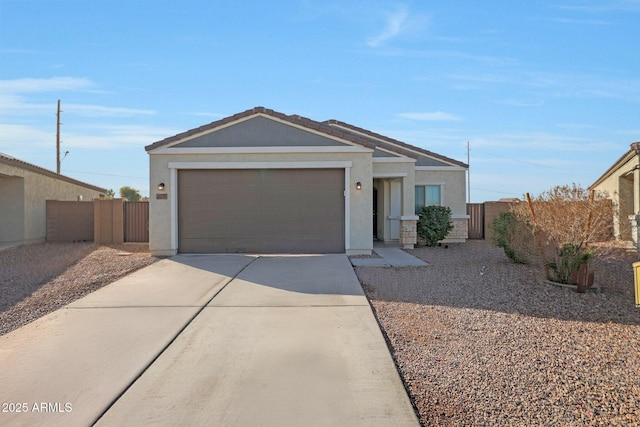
(428, 195)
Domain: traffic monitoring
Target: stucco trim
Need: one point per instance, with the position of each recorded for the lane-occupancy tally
(260, 165)
(393, 160)
(440, 168)
(421, 183)
(390, 175)
(175, 166)
(174, 210)
(258, 150)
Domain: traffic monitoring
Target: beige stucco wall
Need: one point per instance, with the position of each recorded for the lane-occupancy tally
(11, 209)
(385, 169)
(625, 194)
(27, 192)
(454, 196)
(454, 192)
(163, 212)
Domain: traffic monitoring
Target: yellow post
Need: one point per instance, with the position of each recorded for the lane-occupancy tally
(636, 276)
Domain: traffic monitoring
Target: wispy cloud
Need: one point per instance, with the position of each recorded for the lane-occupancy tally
(23, 138)
(520, 103)
(574, 21)
(397, 23)
(103, 111)
(555, 84)
(31, 85)
(603, 6)
(542, 141)
(116, 136)
(435, 116)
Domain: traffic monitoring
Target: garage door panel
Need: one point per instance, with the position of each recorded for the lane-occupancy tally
(269, 210)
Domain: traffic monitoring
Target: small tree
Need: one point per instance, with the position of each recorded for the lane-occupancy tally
(130, 193)
(109, 194)
(434, 224)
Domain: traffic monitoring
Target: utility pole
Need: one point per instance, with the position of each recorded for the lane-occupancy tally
(58, 140)
(468, 174)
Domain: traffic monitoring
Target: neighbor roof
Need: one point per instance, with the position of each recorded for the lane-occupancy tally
(12, 161)
(332, 128)
(633, 151)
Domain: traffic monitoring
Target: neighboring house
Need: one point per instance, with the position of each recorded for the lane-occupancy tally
(24, 190)
(265, 182)
(622, 184)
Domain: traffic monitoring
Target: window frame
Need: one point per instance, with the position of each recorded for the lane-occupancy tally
(424, 186)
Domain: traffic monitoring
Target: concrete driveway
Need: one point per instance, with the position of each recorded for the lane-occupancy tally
(209, 340)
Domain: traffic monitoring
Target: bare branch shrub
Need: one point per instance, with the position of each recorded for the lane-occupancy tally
(566, 219)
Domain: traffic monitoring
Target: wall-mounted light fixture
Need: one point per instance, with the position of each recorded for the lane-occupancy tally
(358, 185)
(161, 186)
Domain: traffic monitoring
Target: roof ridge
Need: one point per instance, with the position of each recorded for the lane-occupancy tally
(395, 141)
(330, 127)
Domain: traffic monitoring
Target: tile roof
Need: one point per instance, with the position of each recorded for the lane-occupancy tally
(332, 128)
(13, 161)
(378, 136)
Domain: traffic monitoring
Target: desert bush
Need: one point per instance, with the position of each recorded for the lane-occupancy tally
(566, 219)
(434, 224)
(514, 236)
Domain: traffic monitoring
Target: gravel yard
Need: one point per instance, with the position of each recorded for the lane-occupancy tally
(38, 279)
(478, 340)
(482, 341)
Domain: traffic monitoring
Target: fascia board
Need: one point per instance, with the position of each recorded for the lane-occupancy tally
(393, 160)
(258, 150)
(440, 168)
(275, 119)
(260, 165)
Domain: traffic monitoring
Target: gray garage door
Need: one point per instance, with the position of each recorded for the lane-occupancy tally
(261, 210)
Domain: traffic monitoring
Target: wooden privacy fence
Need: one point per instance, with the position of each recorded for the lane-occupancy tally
(104, 221)
(476, 220)
(481, 215)
(136, 221)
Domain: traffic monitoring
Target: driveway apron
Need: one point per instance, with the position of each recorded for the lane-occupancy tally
(66, 368)
(277, 341)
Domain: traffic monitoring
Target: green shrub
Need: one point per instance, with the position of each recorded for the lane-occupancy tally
(513, 236)
(569, 259)
(434, 224)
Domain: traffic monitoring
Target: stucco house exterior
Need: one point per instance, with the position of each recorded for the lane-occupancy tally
(622, 184)
(24, 190)
(265, 182)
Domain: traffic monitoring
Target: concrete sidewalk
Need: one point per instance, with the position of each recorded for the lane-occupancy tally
(389, 257)
(288, 340)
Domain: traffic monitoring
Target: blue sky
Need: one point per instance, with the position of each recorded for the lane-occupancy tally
(545, 92)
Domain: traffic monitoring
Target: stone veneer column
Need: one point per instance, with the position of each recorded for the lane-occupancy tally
(408, 233)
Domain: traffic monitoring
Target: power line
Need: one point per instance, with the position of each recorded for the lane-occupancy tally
(523, 161)
(494, 191)
(108, 174)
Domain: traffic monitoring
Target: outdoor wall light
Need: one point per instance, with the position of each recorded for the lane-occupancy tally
(358, 185)
(161, 186)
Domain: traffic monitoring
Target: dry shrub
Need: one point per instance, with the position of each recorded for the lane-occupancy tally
(565, 220)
